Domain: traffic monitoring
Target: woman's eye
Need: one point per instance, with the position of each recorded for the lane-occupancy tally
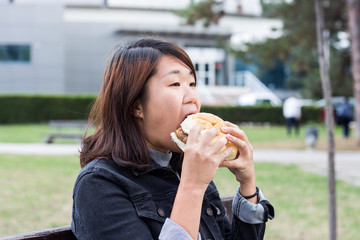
(193, 84)
(176, 84)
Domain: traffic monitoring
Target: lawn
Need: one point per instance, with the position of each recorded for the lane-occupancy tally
(30, 133)
(276, 137)
(36, 191)
(300, 201)
(36, 194)
(259, 136)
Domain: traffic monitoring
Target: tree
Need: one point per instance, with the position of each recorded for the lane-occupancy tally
(297, 46)
(354, 29)
(326, 87)
(208, 11)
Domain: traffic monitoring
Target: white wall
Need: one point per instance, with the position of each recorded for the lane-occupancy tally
(248, 7)
(41, 27)
(69, 46)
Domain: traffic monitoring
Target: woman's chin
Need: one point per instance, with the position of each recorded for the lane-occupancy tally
(174, 148)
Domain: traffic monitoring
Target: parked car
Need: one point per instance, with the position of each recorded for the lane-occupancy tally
(259, 98)
(336, 101)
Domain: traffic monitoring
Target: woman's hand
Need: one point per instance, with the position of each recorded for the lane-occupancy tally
(202, 158)
(243, 166)
(201, 161)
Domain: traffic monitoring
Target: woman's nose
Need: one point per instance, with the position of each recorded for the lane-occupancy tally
(191, 95)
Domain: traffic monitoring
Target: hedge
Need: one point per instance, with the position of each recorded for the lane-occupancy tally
(42, 108)
(260, 114)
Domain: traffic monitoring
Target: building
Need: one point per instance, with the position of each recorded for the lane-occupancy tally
(31, 47)
(60, 47)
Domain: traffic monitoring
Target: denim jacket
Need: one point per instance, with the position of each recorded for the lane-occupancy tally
(113, 202)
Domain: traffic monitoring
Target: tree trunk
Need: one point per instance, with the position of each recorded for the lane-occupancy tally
(353, 7)
(326, 87)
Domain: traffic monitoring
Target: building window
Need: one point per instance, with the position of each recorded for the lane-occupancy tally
(206, 80)
(14, 53)
(196, 67)
(206, 67)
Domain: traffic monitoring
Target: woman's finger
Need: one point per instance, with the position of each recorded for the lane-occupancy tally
(235, 131)
(224, 154)
(241, 144)
(207, 136)
(194, 133)
(230, 124)
(219, 144)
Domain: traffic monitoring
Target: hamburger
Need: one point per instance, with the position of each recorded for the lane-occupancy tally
(209, 121)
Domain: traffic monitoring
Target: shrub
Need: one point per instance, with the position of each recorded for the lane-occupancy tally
(42, 108)
(260, 114)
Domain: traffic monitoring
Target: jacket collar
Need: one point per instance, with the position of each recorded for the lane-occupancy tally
(153, 167)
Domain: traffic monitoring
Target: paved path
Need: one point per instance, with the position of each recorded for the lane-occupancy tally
(347, 163)
(39, 149)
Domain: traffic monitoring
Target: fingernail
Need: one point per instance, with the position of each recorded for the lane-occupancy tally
(224, 129)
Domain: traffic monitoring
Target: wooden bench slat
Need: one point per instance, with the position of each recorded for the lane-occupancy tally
(51, 137)
(64, 124)
(59, 233)
(68, 123)
(227, 201)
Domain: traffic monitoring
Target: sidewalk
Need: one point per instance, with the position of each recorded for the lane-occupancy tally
(39, 149)
(347, 163)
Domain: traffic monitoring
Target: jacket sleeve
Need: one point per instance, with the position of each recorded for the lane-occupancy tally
(173, 231)
(249, 219)
(101, 210)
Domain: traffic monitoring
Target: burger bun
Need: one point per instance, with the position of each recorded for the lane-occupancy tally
(209, 121)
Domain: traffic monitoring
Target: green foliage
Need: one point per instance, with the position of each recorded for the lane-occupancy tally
(41, 108)
(37, 109)
(201, 11)
(297, 47)
(259, 114)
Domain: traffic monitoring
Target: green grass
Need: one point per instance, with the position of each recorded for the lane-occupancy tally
(276, 137)
(27, 133)
(300, 201)
(259, 136)
(36, 190)
(32, 133)
(36, 193)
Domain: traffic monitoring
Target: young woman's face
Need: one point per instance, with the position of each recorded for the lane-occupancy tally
(171, 97)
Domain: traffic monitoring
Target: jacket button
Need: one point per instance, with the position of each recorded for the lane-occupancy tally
(218, 211)
(209, 212)
(161, 212)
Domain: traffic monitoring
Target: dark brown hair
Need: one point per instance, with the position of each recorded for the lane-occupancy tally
(117, 136)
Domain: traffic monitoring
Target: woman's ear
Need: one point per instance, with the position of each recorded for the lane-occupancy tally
(138, 109)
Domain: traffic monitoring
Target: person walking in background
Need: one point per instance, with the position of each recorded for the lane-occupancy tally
(292, 114)
(344, 115)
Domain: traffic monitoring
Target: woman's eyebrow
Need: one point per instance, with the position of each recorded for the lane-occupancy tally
(175, 72)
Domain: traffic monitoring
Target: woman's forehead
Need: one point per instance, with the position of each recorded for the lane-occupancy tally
(168, 65)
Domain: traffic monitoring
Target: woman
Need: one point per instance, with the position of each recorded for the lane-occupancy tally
(135, 182)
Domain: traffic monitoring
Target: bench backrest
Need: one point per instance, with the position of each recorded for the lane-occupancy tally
(60, 233)
(68, 123)
(65, 233)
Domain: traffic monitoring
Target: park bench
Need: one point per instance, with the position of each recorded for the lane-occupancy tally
(60, 125)
(65, 233)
